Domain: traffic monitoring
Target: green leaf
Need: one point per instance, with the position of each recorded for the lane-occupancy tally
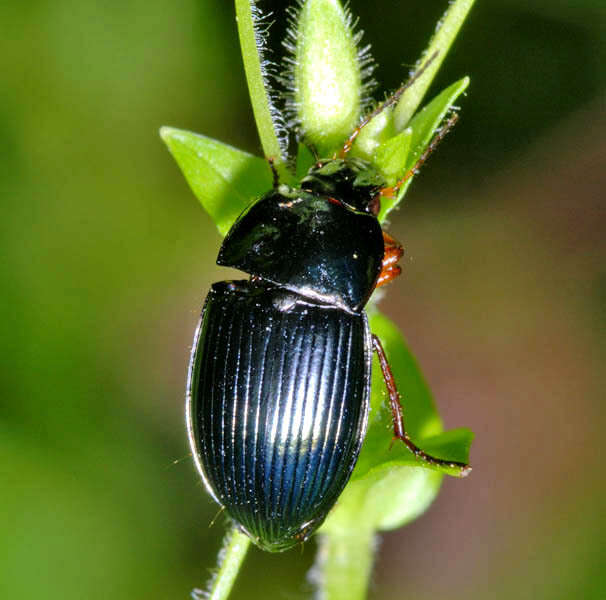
(223, 178)
(424, 125)
(326, 74)
(391, 156)
(446, 32)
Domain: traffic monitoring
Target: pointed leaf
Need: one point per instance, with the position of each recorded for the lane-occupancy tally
(223, 178)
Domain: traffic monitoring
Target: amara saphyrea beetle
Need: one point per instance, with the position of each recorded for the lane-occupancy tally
(279, 377)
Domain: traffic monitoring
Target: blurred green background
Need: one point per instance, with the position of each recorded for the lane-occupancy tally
(106, 257)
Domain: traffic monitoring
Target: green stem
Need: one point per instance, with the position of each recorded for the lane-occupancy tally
(442, 40)
(344, 563)
(257, 85)
(230, 559)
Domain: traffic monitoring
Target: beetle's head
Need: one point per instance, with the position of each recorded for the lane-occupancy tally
(352, 181)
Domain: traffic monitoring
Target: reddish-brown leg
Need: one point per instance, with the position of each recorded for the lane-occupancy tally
(393, 253)
(387, 274)
(398, 416)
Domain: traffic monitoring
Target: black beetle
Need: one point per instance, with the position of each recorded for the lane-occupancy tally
(279, 377)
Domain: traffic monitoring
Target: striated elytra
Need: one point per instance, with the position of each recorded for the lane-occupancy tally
(279, 407)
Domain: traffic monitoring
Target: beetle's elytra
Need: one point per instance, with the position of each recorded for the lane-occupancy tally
(279, 377)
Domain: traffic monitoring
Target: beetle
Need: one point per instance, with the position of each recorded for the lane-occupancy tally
(279, 377)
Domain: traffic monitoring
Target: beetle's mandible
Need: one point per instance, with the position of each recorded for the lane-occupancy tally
(279, 377)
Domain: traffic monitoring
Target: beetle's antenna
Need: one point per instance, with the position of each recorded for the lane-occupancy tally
(274, 172)
(393, 190)
(389, 102)
(178, 461)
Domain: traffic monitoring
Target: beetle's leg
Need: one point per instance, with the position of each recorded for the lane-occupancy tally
(398, 416)
(387, 274)
(393, 253)
(389, 102)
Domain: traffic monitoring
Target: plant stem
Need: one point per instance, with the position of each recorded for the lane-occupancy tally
(447, 31)
(251, 46)
(230, 559)
(344, 563)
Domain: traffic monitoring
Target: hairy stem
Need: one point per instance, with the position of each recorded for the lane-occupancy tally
(230, 560)
(344, 563)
